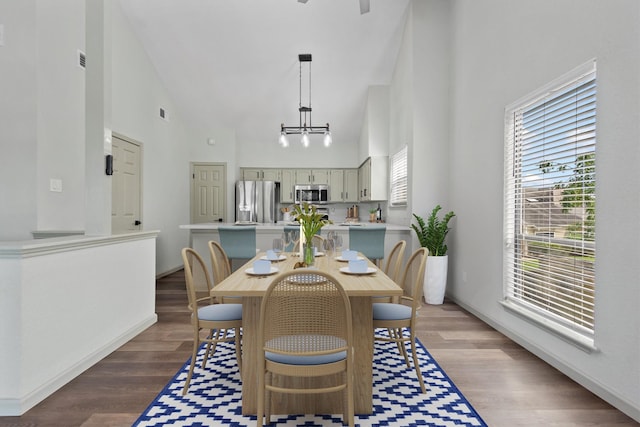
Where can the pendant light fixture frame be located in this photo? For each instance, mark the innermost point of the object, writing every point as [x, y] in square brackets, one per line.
[305, 125]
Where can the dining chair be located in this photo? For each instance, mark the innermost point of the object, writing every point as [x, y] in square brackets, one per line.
[394, 261]
[294, 234]
[305, 330]
[369, 240]
[221, 266]
[399, 318]
[239, 242]
[206, 313]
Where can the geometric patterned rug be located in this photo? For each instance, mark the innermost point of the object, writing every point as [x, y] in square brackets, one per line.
[214, 397]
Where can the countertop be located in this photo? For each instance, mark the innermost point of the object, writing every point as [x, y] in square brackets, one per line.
[280, 225]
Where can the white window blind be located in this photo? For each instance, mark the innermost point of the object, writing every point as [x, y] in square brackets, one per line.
[549, 230]
[398, 178]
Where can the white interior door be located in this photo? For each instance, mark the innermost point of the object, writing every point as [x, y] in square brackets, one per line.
[125, 203]
[208, 195]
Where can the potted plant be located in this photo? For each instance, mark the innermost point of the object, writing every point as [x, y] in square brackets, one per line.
[372, 215]
[310, 223]
[431, 235]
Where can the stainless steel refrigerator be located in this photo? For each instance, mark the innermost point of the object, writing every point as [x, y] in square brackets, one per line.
[256, 201]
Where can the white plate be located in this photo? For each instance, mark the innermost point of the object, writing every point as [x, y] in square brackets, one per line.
[245, 223]
[280, 258]
[250, 272]
[319, 254]
[339, 258]
[369, 270]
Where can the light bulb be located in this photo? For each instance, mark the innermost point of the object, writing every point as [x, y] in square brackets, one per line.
[327, 139]
[284, 142]
[305, 138]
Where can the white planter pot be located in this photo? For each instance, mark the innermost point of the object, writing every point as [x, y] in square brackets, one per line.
[435, 279]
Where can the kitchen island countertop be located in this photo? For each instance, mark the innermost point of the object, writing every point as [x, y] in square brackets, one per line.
[209, 226]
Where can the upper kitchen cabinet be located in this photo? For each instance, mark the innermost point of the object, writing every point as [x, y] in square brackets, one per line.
[287, 180]
[316, 176]
[373, 177]
[343, 185]
[260, 174]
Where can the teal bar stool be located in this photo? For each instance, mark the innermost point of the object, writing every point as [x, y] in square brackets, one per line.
[239, 242]
[369, 240]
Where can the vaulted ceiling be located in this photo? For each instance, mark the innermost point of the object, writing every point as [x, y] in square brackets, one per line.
[234, 63]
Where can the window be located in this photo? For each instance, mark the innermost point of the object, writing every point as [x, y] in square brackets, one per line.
[398, 177]
[549, 229]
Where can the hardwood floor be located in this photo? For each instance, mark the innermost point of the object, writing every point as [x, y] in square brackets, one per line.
[506, 384]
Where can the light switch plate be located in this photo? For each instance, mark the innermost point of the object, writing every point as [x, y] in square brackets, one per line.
[55, 185]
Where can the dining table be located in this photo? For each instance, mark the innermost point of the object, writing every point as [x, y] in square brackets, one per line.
[361, 288]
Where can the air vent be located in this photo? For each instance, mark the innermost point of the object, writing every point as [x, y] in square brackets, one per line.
[163, 113]
[82, 59]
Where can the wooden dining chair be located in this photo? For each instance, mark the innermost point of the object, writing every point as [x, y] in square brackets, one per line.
[396, 318]
[207, 314]
[394, 261]
[305, 331]
[220, 264]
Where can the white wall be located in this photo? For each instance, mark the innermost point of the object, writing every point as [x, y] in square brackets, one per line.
[138, 94]
[501, 52]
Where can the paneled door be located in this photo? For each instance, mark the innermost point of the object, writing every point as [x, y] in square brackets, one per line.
[208, 195]
[125, 188]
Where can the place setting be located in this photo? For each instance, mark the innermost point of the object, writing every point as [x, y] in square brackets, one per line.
[357, 265]
[261, 267]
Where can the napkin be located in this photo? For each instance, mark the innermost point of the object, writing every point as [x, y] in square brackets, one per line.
[358, 266]
[349, 255]
[261, 266]
[272, 255]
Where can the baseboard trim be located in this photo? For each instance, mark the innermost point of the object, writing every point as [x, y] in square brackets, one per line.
[17, 407]
[595, 387]
[168, 272]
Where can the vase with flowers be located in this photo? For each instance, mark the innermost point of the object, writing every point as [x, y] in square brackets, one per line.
[311, 221]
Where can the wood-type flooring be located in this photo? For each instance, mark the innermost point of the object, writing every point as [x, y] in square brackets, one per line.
[506, 384]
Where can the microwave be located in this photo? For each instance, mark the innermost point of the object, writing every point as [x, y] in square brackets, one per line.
[317, 194]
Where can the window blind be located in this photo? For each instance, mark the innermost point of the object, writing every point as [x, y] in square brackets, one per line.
[550, 174]
[398, 178]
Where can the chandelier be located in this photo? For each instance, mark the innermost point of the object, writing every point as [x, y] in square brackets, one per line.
[304, 128]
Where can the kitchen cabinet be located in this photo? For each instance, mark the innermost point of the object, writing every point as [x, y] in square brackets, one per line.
[260, 174]
[287, 179]
[343, 185]
[315, 176]
[373, 179]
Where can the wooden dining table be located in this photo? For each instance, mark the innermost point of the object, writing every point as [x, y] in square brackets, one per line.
[359, 288]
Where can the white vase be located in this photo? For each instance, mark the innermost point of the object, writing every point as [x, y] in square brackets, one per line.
[435, 279]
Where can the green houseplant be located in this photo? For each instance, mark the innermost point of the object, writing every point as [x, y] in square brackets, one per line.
[431, 235]
[311, 221]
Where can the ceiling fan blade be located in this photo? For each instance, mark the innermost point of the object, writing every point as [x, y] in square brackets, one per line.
[364, 6]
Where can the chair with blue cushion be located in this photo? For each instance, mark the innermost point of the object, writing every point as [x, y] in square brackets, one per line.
[394, 319]
[239, 242]
[369, 240]
[305, 331]
[294, 234]
[218, 318]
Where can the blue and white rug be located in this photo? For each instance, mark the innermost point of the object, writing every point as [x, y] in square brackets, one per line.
[214, 397]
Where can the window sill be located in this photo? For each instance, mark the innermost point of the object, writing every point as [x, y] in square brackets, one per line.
[572, 337]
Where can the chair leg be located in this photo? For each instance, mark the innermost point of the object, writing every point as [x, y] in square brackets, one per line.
[239, 349]
[416, 364]
[267, 394]
[194, 353]
[211, 345]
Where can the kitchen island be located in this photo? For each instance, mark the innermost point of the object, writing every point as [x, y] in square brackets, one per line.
[265, 233]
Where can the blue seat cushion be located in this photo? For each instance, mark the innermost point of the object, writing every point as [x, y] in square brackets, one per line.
[220, 312]
[319, 341]
[390, 311]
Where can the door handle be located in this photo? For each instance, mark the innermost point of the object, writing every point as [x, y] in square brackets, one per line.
[137, 222]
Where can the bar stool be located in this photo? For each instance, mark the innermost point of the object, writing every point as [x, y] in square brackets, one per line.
[239, 242]
[369, 240]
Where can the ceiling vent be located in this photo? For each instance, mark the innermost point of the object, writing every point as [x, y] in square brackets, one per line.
[82, 59]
